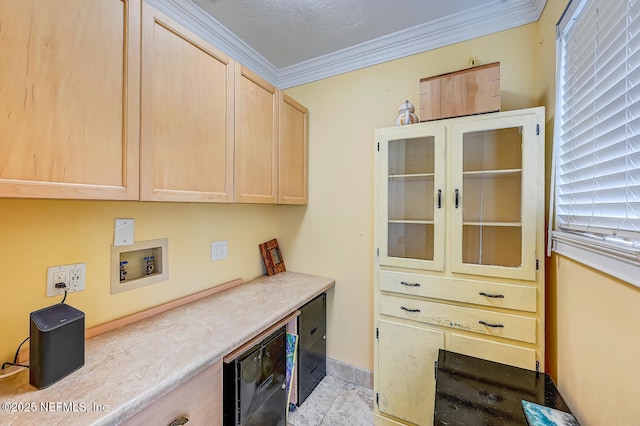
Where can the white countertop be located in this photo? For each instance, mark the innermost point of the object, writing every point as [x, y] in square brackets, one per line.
[128, 368]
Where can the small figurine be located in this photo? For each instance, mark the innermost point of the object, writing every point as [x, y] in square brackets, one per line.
[149, 267]
[406, 114]
[123, 271]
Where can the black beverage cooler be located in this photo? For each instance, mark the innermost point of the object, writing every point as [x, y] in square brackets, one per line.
[254, 385]
[312, 348]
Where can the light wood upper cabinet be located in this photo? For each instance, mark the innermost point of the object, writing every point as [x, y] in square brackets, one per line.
[256, 138]
[271, 143]
[69, 99]
[111, 99]
[187, 115]
[293, 152]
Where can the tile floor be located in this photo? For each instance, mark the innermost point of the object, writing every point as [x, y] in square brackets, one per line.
[335, 402]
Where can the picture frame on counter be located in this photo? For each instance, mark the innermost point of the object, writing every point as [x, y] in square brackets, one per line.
[272, 257]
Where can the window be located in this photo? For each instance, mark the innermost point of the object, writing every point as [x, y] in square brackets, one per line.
[597, 136]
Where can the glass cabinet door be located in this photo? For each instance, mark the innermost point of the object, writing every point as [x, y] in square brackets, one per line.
[494, 191]
[411, 198]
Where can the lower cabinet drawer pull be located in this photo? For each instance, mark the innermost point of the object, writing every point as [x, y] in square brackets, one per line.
[488, 324]
[410, 284]
[409, 310]
[496, 296]
[179, 421]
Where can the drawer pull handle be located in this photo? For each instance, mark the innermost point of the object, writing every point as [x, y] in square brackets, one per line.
[409, 310]
[488, 324]
[439, 198]
[457, 192]
[495, 296]
[179, 421]
[410, 284]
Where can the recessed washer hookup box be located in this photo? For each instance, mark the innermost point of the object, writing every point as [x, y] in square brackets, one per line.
[57, 344]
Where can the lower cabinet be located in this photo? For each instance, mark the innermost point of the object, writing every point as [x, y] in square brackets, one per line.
[504, 353]
[198, 401]
[405, 375]
[406, 352]
[312, 346]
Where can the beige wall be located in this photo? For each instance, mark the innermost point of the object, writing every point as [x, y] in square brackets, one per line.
[593, 337]
[334, 235]
[596, 345]
[35, 234]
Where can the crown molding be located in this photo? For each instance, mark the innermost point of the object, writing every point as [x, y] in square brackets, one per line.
[476, 22]
[464, 26]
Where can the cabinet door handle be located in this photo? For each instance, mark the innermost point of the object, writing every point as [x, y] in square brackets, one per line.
[439, 198]
[495, 296]
[488, 324]
[457, 191]
[179, 421]
[409, 310]
[410, 284]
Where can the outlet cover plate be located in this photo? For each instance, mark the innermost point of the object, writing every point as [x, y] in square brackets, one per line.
[124, 232]
[219, 250]
[73, 276]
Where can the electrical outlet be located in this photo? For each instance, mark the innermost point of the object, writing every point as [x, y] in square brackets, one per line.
[66, 277]
[77, 278]
[59, 278]
[219, 250]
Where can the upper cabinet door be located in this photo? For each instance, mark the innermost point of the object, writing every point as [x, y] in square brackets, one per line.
[293, 152]
[495, 193]
[187, 115]
[256, 139]
[411, 184]
[69, 91]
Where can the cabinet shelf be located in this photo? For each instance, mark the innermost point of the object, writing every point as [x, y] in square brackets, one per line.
[404, 221]
[413, 176]
[492, 173]
[506, 224]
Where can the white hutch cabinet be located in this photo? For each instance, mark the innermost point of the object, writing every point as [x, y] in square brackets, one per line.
[459, 222]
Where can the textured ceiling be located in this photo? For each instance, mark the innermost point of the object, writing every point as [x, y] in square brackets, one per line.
[292, 42]
[287, 32]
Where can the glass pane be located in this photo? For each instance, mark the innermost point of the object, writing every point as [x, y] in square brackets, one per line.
[492, 245]
[498, 149]
[411, 240]
[492, 193]
[492, 198]
[411, 198]
[411, 156]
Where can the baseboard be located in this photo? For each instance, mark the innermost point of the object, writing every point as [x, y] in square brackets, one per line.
[350, 373]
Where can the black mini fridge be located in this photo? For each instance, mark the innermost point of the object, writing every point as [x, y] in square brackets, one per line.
[312, 347]
[254, 385]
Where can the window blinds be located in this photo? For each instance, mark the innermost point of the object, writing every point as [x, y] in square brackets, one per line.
[597, 156]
